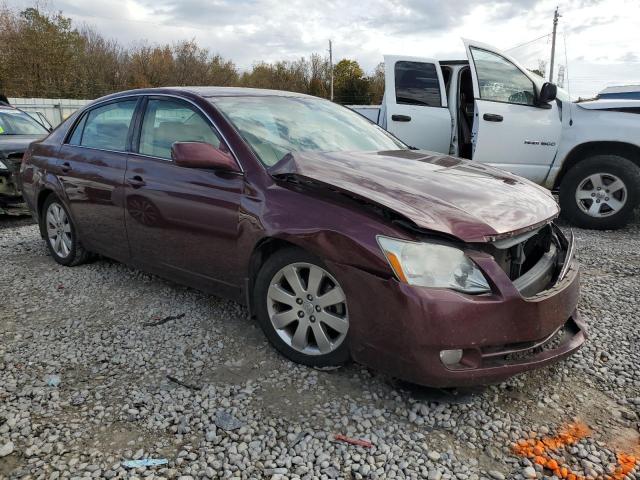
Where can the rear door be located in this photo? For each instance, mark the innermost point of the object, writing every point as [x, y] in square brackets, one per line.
[416, 103]
[511, 130]
[91, 168]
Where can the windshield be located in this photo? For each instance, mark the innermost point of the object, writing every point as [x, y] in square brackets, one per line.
[15, 122]
[275, 126]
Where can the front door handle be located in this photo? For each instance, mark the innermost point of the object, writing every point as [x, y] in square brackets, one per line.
[401, 118]
[66, 167]
[492, 117]
[136, 182]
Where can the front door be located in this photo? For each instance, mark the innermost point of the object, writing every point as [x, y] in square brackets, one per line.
[416, 103]
[91, 168]
[181, 222]
[511, 129]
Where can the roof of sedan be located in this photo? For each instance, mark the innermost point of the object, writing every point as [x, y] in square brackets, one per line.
[234, 91]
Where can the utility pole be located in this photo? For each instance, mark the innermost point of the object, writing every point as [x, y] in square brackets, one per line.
[553, 43]
[331, 67]
[561, 76]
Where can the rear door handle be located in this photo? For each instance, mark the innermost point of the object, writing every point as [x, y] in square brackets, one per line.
[136, 182]
[401, 118]
[66, 167]
[492, 117]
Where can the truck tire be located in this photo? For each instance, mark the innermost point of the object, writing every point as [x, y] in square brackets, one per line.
[600, 192]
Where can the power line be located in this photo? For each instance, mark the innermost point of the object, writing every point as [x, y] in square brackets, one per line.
[530, 41]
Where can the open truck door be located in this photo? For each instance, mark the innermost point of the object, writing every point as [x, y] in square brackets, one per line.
[416, 103]
[517, 124]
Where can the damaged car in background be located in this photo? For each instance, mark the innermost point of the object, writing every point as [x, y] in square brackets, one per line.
[342, 241]
[17, 131]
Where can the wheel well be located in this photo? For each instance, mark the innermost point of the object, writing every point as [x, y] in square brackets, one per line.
[263, 250]
[580, 152]
[42, 197]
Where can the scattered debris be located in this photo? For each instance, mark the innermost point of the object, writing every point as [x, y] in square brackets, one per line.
[52, 380]
[183, 383]
[226, 421]
[353, 441]
[145, 462]
[543, 450]
[159, 321]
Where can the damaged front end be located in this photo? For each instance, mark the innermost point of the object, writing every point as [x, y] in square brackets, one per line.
[11, 201]
[536, 260]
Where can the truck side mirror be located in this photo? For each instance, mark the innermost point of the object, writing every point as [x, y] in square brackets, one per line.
[547, 93]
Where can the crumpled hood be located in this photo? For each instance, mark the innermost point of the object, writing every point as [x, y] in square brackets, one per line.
[471, 201]
[16, 143]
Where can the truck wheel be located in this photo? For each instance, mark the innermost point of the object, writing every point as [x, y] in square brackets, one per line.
[600, 192]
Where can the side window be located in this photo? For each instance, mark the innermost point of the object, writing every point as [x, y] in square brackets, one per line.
[76, 136]
[169, 121]
[417, 84]
[500, 80]
[107, 127]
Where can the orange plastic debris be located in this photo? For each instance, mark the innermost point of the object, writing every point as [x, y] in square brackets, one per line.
[539, 452]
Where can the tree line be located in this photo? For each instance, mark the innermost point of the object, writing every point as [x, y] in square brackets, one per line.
[44, 55]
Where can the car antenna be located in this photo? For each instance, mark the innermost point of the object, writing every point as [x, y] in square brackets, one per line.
[566, 70]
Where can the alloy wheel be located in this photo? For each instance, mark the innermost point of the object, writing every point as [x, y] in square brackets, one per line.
[601, 195]
[59, 230]
[307, 308]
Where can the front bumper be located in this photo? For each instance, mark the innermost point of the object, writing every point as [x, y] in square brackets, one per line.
[11, 201]
[400, 329]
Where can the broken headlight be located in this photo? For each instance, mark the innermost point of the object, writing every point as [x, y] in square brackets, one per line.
[433, 265]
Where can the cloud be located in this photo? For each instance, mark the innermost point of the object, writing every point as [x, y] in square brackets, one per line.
[598, 34]
[593, 22]
[629, 57]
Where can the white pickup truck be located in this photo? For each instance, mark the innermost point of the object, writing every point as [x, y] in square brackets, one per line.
[492, 110]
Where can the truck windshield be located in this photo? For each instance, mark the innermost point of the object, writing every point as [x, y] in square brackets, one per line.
[276, 125]
[15, 122]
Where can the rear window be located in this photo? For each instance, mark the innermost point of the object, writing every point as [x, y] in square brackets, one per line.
[105, 127]
[417, 84]
[16, 122]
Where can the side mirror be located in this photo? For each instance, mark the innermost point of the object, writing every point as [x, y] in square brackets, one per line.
[547, 93]
[202, 155]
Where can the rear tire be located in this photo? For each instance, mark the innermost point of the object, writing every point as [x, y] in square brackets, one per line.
[600, 192]
[60, 234]
[293, 307]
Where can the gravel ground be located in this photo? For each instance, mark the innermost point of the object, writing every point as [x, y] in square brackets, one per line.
[91, 375]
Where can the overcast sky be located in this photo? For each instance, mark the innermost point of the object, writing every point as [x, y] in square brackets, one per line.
[601, 36]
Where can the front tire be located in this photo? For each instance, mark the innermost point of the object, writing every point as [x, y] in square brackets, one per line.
[600, 192]
[60, 234]
[302, 309]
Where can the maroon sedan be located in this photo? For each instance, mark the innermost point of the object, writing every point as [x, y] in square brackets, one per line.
[342, 241]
